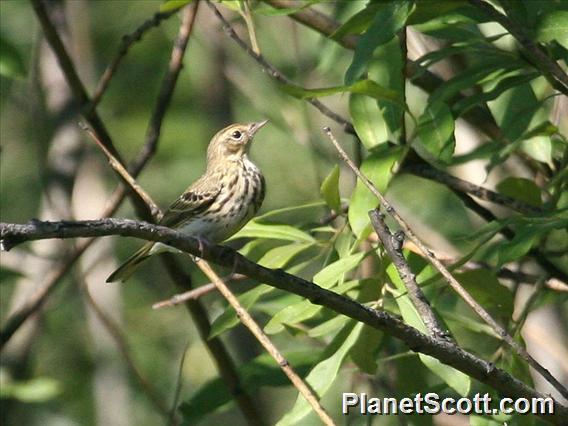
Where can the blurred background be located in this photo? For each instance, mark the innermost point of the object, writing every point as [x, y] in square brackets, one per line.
[98, 354]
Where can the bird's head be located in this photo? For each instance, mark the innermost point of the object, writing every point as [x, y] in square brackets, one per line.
[232, 143]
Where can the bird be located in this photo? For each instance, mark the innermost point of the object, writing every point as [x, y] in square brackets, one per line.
[219, 203]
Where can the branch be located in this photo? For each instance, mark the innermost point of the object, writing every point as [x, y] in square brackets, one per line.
[458, 288]
[539, 59]
[427, 171]
[393, 246]
[79, 92]
[277, 75]
[323, 24]
[126, 43]
[263, 339]
[446, 352]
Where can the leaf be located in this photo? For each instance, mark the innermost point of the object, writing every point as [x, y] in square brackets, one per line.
[362, 87]
[508, 251]
[273, 11]
[436, 131]
[301, 311]
[521, 189]
[172, 5]
[11, 63]
[358, 22]
[277, 257]
[554, 27]
[322, 376]
[387, 22]
[261, 371]
[378, 168]
[486, 289]
[468, 102]
[539, 148]
[364, 351]
[36, 390]
[334, 271]
[253, 229]
[328, 327]
[367, 121]
[330, 189]
[455, 379]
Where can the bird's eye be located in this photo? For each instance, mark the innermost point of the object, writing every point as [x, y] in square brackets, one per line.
[236, 135]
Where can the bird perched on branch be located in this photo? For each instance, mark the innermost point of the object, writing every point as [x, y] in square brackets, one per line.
[217, 204]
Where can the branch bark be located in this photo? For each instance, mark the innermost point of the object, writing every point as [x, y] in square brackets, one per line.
[448, 353]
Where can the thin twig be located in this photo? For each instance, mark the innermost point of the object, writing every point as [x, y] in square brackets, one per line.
[263, 339]
[166, 89]
[123, 173]
[446, 352]
[178, 299]
[247, 16]
[458, 288]
[126, 43]
[539, 59]
[393, 244]
[277, 75]
[120, 341]
[194, 294]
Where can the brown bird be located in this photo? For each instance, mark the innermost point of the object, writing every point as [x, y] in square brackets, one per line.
[217, 204]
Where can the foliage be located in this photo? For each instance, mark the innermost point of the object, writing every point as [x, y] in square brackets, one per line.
[398, 121]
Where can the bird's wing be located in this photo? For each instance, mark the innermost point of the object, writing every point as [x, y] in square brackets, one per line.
[197, 198]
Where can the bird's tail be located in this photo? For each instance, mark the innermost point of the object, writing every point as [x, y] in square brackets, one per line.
[125, 270]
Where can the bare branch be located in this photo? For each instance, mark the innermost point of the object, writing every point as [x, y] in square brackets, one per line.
[126, 43]
[263, 339]
[393, 246]
[446, 352]
[277, 75]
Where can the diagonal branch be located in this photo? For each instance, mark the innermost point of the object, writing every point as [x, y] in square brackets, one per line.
[448, 353]
[458, 288]
[277, 75]
[393, 246]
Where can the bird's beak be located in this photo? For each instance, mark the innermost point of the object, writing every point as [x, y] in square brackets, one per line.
[255, 127]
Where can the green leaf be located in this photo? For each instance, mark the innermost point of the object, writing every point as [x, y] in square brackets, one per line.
[322, 376]
[277, 257]
[436, 131]
[172, 5]
[554, 26]
[387, 22]
[455, 379]
[328, 327]
[539, 148]
[362, 87]
[358, 22]
[253, 229]
[468, 102]
[36, 390]
[330, 189]
[364, 351]
[301, 311]
[366, 116]
[486, 289]
[508, 251]
[378, 168]
[273, 11]
[261, 371]
[11, 63]
[521, 189]
[333, 272]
